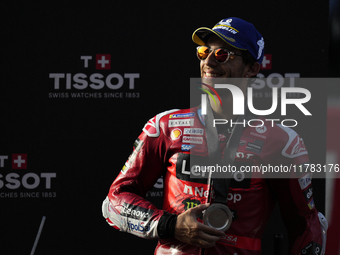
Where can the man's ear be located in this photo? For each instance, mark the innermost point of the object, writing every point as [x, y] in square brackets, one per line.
[253, 70]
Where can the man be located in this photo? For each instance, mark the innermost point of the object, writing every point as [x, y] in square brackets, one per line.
[233, 48]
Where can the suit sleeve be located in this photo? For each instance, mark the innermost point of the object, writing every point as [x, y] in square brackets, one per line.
[125, 207]
[295, 197]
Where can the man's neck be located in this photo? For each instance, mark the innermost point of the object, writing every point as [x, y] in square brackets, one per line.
[224, 111]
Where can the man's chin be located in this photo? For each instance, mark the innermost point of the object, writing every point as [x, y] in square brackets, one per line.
[211, 81]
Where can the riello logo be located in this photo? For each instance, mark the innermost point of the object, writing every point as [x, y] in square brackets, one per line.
[239, 102]
[96, 80]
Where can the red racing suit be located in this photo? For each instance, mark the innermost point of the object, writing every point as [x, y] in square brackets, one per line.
[163, 149]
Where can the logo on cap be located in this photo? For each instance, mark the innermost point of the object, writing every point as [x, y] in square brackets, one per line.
[227, 22]
[225, 25]
[260, 43]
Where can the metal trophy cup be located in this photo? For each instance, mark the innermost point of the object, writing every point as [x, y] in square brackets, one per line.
[218, 216]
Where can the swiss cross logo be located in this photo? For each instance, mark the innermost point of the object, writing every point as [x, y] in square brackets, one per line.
[103, 61]
[19, 161]
[267, 62]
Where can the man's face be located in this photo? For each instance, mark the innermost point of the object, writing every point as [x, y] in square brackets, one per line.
[233, 68]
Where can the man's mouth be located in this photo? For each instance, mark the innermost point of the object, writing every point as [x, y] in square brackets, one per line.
[211, 75]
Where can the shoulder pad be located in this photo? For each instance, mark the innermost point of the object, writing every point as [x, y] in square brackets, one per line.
[295, 146]
[151, 128]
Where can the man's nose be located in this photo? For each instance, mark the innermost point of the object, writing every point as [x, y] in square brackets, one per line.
[211, 60]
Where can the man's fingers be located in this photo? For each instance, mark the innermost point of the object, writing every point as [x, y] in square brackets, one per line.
[210, 230]
[199, 208]
[206, 240]
[191, 231]
[195, 210]
[204, 244]
[209, 237]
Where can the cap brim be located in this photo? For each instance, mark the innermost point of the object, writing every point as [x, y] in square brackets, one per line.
[201, 33]
[197, 35]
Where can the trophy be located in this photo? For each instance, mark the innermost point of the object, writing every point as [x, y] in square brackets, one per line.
[218, 216]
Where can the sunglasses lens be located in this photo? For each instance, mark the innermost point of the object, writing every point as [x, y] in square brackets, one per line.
[221, 55]
[202, 52]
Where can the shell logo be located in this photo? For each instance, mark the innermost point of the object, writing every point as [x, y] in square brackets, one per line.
[176, 133]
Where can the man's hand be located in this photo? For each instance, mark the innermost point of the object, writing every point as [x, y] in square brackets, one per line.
[190, 231]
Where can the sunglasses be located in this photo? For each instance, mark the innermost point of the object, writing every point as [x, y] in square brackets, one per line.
[222, 55]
